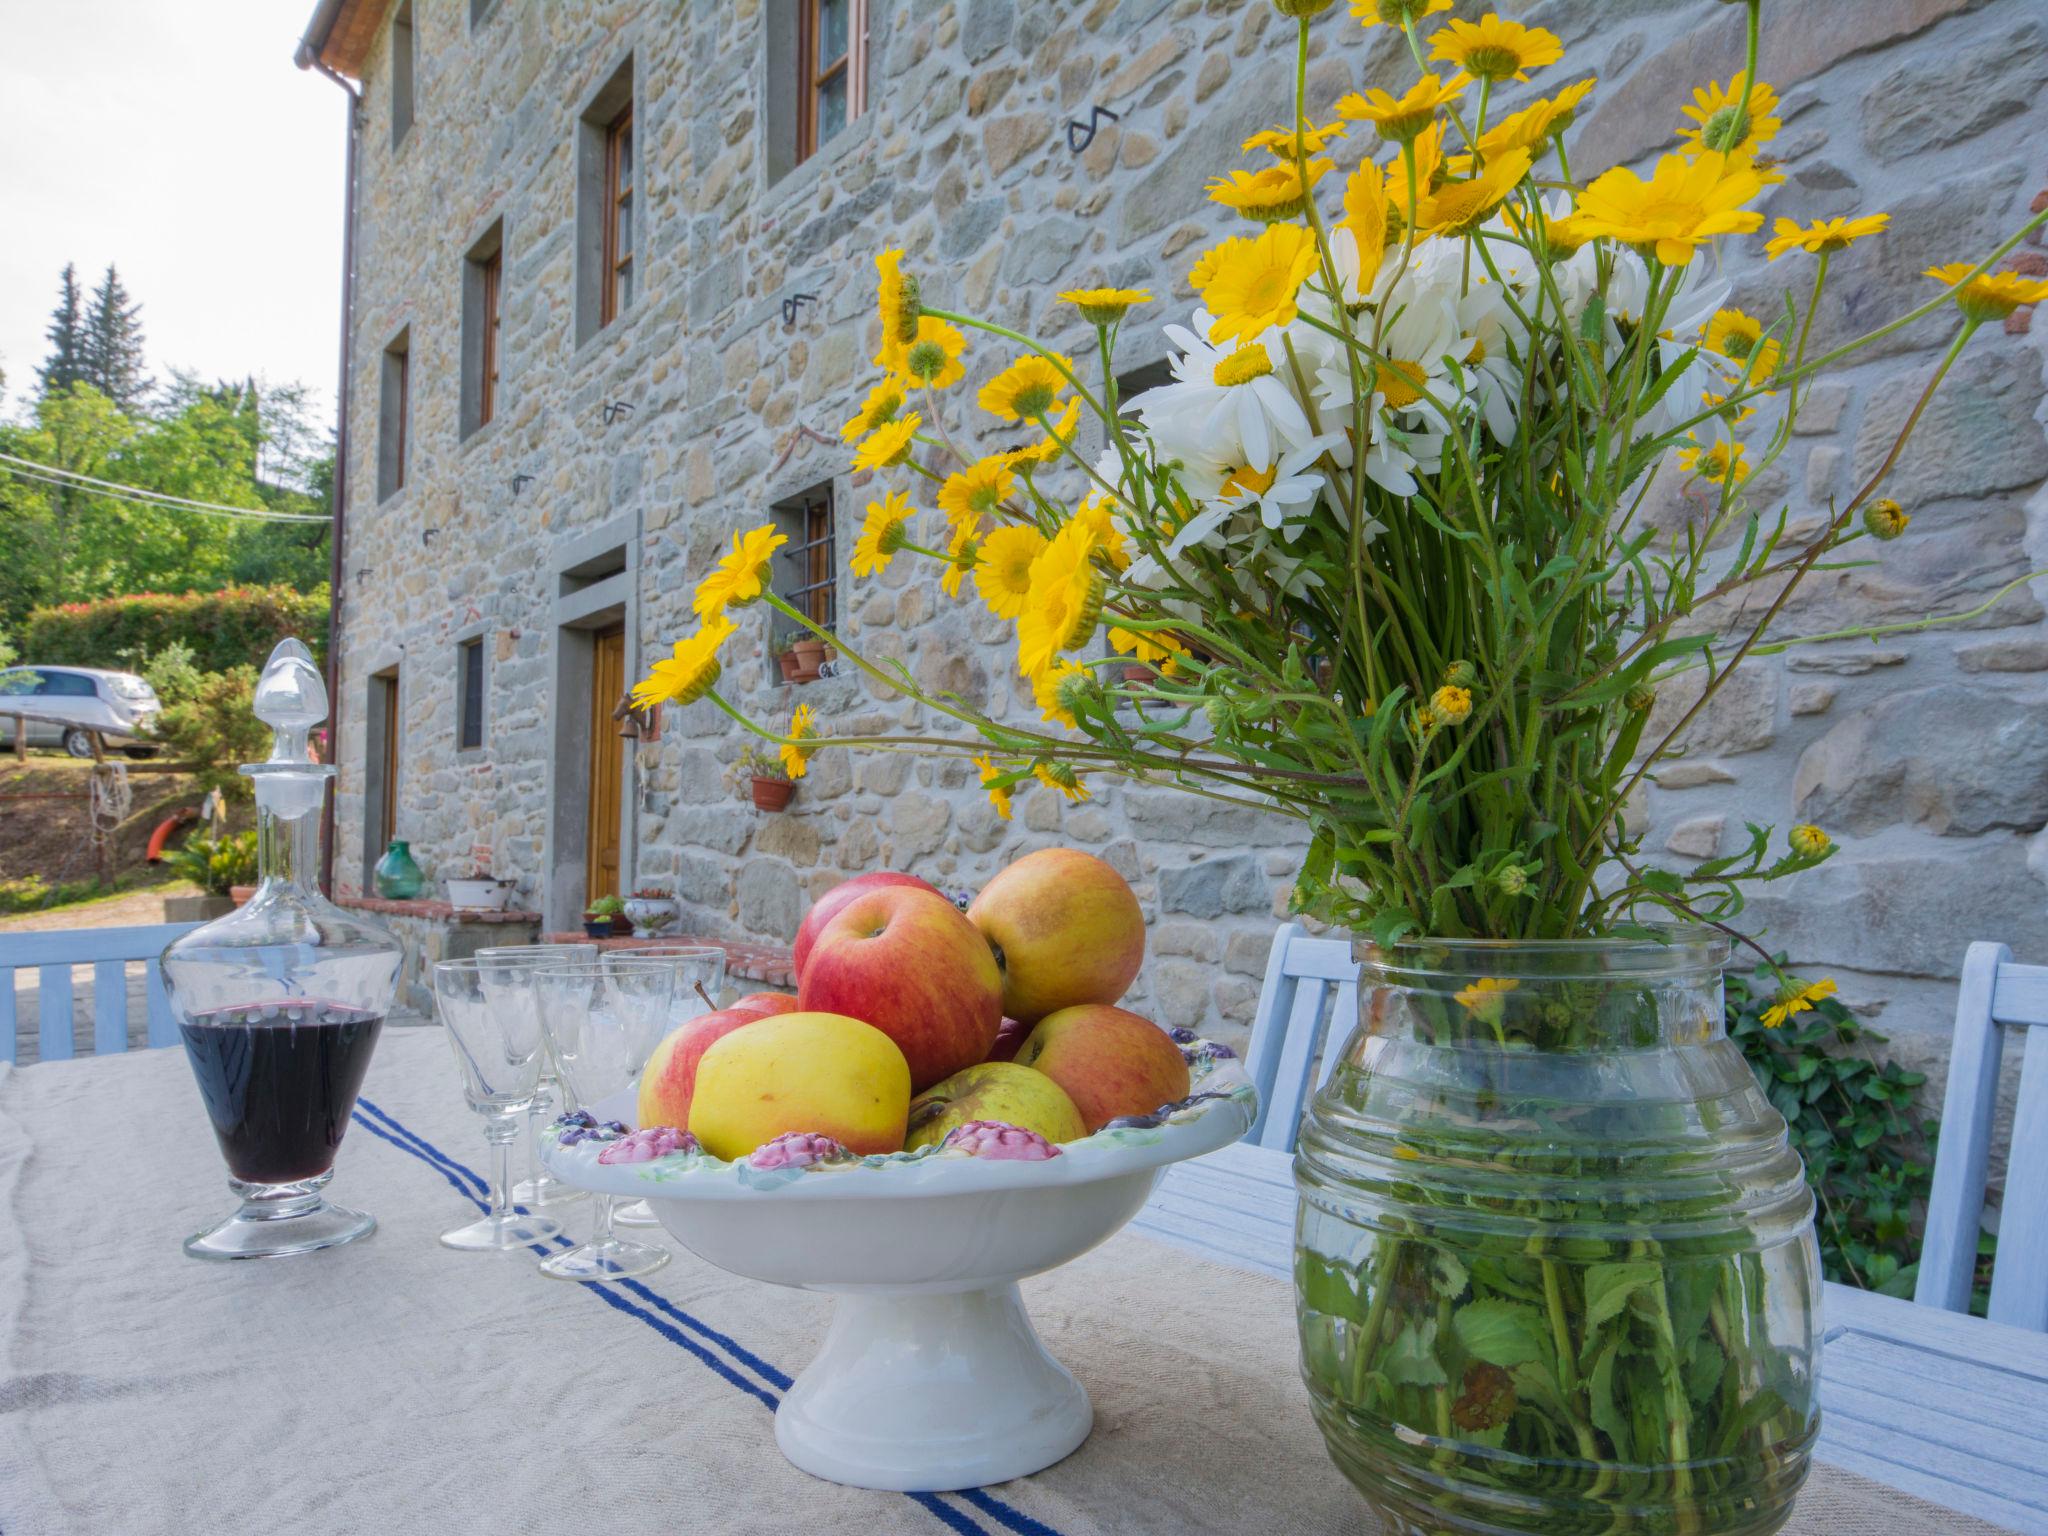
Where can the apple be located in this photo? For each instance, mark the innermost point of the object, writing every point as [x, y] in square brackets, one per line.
[907, 962]
[1110, 1062]
[807, 1071]
[764, 1003]
[995, 1090]
[1065, 928]
[827, 906]
[1009, 1035]
[670, 1077]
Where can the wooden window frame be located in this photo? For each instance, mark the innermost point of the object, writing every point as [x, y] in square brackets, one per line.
[814, 558]
[617, 191]
[811, 80]
[487, 366]
[387, 812]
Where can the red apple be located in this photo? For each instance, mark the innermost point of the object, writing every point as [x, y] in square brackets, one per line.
[906, 961]
[764, 1004]
[1008, 1037]
[1111, 1062]
[827, 906]
[670, 1079]
[1066, 930]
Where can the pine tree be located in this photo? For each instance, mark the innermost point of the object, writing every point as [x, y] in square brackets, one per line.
[113, 358]
[65, 365]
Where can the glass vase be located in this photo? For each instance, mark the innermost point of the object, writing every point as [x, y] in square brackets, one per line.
[397, 877]
[1555, 1267]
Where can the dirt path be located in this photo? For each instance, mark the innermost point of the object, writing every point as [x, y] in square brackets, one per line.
[128, 909]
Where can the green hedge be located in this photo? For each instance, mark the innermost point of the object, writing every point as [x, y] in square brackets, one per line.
[234, 627]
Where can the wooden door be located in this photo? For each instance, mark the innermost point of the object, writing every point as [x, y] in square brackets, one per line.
[387, 811]
[607, 764]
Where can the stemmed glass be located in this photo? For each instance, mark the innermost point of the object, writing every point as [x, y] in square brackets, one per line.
[539, 1187]
[499, 1050]
[604, 1022]
[699, 983]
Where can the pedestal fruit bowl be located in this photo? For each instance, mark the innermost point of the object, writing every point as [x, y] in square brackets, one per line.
[931, 1376]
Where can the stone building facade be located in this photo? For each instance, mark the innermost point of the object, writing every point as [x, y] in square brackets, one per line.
[622, 456]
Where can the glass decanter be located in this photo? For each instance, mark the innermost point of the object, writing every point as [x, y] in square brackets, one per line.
[280, 1002]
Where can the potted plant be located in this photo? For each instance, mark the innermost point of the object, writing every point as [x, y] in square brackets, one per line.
[234, 865]
[807, 655]
[768, 782]
[479, 892]
[650, 910]
[193, 860]
[785, 656]
[605, 918]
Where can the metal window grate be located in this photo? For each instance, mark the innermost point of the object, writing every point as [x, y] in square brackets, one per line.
[812, 559]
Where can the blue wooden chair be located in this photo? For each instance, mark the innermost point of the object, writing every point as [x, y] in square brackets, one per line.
[108, 951]
[1995, 994]
[1307, 1005]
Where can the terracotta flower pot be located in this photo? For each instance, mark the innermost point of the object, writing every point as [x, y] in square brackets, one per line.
[1138, 672]
[809, 655]
[241, 893]
[772, 794]
[787, 661]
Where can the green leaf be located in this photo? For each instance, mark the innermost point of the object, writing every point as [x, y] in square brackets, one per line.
[1411, 1357]
[1502, 1333]
[1607, 1417]
[1609, 1287]
[1703, 1374]
[1447, 1275]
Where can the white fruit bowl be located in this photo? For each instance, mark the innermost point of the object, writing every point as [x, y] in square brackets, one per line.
[930, 1377]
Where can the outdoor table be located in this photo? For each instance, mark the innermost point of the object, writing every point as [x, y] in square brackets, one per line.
[396, 1385]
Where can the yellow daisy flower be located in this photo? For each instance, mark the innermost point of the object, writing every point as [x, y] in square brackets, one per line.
[1365, 211]
[1395, 13]
[1740, 337]
[1399, 119]
[960, 559]
[1253, 284]
[1535, 125]
[1280, 141]
[1063, 600]
[1715, 130]
[1459, 207]
[1060, 777]
[879, 409]
[1493, 49]
[1045, 692]
[796, 758]
[1684, 204]
[1989, 295]
[888, 443]
[1798, 1001]
[1451, 705]
[1104, 306]
[1272, 192]
[1719, 461]
[933, 360]
[1002, 575]
[1024, 391]
[896, 299]
[737, 579]
[1153, 647]
[881, 533]
[992, 781]
[1822, 236]
[1060, 432]
[689, 673]
[975, 492]
[1098, 516]
[1487, 998]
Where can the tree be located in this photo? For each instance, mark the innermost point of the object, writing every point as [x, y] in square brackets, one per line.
[113, 353]
[66, 363]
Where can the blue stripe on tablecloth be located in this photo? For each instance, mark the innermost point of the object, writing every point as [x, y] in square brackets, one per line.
[456, 1173]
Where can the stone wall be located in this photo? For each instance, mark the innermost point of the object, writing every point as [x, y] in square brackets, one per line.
[1922, 753]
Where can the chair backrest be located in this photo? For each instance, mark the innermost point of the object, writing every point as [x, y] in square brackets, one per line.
[1307, 1005]
[107, 950]
[1994, 993]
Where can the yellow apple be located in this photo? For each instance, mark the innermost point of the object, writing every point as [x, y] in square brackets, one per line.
[995, 1090]
[1066, 929]
[1110, 1062]
[819, 1072]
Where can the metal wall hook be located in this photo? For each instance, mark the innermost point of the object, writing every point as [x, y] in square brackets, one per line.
[520, 483]
[792, 304]
[1081, 135]
[614, 409]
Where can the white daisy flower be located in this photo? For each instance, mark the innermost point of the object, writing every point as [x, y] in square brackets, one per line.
[1233, 405]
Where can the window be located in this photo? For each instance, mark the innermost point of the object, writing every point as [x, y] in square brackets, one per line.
[483, 275]
[394, 412]
[401, 74]
[480, 11]
[1129, 385]
[469, 710]
[67, 685]
[607, 177]
[806, 569]
[380, 770]
[832, 70]
[618, 217]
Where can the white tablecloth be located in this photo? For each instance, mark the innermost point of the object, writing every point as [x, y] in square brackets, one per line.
[396, 1386]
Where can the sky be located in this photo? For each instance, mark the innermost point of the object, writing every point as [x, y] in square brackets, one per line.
[176, 139]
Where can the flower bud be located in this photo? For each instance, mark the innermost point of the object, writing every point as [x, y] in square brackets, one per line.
[1885, 520]
[1510, 880]
[1639, 699]
[1460, 674]
[1302, 8]
[1450, 705]
[1809, 842]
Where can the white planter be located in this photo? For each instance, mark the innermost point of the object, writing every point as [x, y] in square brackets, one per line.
[931, 1376]
[649, 915]
[479, 895]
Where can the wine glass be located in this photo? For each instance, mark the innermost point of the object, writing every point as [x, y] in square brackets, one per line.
[699, 983]
[539, 1187]
[499, 1050]
[603, 1022]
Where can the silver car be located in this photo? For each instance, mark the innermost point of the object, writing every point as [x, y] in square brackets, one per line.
[65, 705]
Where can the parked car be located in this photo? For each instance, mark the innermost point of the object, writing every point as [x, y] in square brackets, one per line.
[67, 704]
